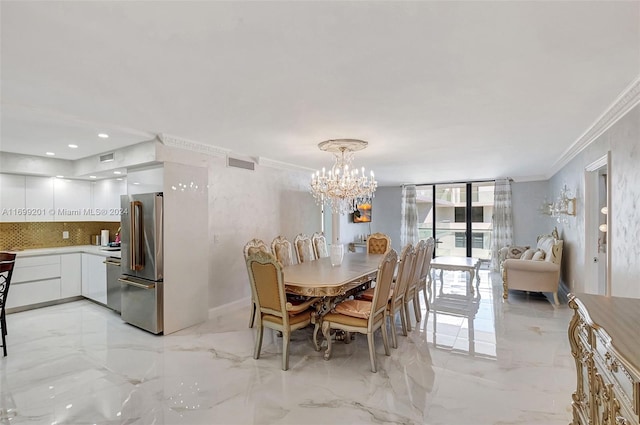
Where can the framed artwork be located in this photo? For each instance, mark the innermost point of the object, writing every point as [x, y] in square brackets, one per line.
[362, 214]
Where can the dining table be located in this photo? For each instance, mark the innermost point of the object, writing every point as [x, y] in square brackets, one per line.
[330, 284]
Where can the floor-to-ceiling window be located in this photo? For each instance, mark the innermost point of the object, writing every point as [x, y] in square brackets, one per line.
[458, 216]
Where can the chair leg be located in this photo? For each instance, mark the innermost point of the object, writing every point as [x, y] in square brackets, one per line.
[394, 336]
[385, 337]
[555, 298]
[426, 297]
[285, 350]
[416, 305]
[372, 352]
[253, 314]
[407, 315]
[403, 320]
[256, 351]
[3, 324]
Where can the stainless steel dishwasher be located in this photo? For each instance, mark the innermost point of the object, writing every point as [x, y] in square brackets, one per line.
[114, 290]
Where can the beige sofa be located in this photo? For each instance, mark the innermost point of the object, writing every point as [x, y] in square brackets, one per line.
[537, 270]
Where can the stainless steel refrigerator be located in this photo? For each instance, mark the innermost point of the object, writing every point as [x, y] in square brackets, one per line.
[141, 265]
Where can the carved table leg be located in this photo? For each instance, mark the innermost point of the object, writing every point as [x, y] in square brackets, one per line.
[317, 320]
[326, 331]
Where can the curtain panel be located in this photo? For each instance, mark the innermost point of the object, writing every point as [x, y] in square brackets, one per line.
[409, 222]
[502, 221]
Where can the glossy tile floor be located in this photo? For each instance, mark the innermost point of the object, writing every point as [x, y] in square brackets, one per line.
[472, 360]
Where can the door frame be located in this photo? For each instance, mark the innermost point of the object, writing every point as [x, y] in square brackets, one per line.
[591, 222]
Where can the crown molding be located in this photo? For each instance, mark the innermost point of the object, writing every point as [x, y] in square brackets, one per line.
[626, 101]
[190, 145]
[266, 162]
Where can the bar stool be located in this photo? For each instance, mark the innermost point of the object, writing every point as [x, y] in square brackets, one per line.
[7, 261]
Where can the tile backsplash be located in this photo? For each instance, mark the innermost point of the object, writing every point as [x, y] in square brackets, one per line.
[17, 236]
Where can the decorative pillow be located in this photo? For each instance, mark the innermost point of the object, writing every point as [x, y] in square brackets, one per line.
[355, 308]
[528, 254]
[539, 255]
[516, 251]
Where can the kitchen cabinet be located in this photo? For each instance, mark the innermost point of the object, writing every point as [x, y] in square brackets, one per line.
[35, 280]
[72, 200]
[33, 199]
[39, 198]
[106, 199]
[71, 275]
[94, 278]
[12, 192]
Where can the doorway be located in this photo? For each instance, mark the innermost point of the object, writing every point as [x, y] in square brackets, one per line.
[597, 226]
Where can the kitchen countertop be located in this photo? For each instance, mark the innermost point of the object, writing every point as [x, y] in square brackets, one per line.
[88, 249]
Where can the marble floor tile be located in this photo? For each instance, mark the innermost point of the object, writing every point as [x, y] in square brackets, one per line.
[472, 359]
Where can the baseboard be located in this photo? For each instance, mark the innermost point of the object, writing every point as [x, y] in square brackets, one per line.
[229, 307]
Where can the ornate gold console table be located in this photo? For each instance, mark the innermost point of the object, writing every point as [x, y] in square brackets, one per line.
[605, 341]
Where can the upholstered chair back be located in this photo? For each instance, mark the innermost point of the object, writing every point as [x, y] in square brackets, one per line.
[378, 243]
[426, 264]
[320, 245]
[281, 248]
[405, 267]
[384, 280]
[253, 246]
[421, 252]
[304, 248]
[265, 274]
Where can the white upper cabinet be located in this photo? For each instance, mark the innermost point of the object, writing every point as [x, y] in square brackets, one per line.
[39, 197]
[72, 200]
[32, 198]
[12, 206]
[106, 199]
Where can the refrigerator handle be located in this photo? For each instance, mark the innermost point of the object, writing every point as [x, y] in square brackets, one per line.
[137, 237]
[136, 284]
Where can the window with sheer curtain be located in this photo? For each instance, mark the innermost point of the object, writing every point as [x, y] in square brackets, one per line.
[502, 220]
[409, 223]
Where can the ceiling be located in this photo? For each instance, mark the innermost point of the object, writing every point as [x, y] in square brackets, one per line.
[442, 91]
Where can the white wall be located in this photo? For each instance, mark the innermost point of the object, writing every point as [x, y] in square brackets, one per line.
[528, 222]
[244, 205]
[622, 139]
[385, 218]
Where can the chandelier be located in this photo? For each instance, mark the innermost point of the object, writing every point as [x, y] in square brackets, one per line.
[342, 188]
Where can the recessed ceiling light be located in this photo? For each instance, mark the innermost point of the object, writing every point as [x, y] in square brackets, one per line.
[103, 135]
[119, 179]
[136, 182]
[60, 177]
[73, 146]
[92, 177]
[50, 153]
[117, 172]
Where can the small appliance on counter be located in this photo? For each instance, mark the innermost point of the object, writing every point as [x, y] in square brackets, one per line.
[141, 244]
[104, 237]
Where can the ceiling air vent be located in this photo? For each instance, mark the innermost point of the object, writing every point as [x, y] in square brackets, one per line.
[107, 157]
[238, 163]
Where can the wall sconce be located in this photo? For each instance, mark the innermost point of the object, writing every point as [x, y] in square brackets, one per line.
[563, 207]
